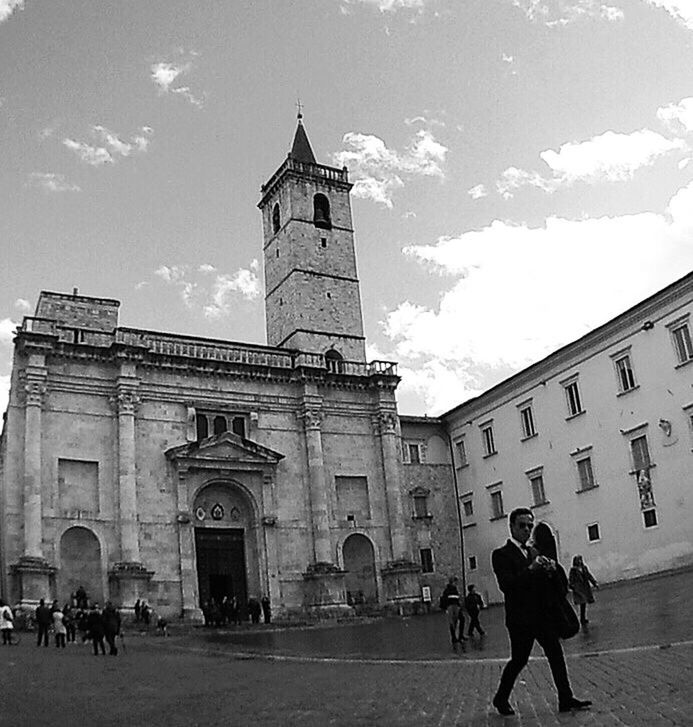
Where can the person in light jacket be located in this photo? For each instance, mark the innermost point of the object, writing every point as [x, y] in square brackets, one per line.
[581, 582]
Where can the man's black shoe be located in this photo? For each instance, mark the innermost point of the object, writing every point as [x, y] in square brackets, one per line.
[503, 708]
[573, 703]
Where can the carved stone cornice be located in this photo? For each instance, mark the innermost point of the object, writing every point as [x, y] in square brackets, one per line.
[35, 391]
[126, 401]
[312, 418]
[385, 422]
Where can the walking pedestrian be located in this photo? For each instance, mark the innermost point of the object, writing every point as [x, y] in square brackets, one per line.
[111, 627]
[266, 608]
[146, 613]
[254, 609]
[59, 628]
[473, 604]
[524, 577]
[95, 629]
[450, 603]
[138, 610]
[581, 582]
[6, 622]
[44, 620]
[69, 621]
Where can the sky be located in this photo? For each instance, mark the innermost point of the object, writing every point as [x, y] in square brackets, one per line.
[522, 168]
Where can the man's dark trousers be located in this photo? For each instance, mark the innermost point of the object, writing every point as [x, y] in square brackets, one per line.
[42, 634]
[521, 642]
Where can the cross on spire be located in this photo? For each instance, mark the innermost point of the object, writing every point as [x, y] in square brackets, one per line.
[299, 106]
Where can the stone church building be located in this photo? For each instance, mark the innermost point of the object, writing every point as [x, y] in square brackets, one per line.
[143, 464]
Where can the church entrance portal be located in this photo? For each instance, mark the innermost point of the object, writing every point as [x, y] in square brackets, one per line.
[80, 564]
[221, 566]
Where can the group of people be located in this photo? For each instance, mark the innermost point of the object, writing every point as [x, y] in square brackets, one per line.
[535, 587]
[451, 603]
[229, 611]
[86, 618]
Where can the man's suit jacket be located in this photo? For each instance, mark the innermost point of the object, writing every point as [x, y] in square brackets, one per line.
[519, 586]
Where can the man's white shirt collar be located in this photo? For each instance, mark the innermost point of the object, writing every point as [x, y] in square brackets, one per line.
[523, 548]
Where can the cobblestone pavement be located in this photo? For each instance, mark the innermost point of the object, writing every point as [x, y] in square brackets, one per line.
[187, 680]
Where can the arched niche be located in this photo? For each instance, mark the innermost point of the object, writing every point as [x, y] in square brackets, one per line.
[80, 564]
[359, 562]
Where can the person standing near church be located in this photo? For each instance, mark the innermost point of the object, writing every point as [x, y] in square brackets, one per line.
[111, 627]
[6, 622]
[523, 576]
[266, 608]
[59, 628]
[44, 620]
[581, 582]
[95, 629]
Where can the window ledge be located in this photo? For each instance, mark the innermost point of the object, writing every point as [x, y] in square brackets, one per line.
[462, 466]
[588, 489]
[468, 525]
[530, 436]
[635, 473]
[498, 517]
[422, 517]
[628, 391]
[490, 454]
[683, 363]
[576, 415]
[541, 504]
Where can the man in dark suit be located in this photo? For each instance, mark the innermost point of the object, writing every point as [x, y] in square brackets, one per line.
[522, 576]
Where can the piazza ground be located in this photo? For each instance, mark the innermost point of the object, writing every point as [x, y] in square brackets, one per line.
[635, 661]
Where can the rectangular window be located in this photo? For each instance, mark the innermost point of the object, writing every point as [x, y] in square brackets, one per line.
[420, 506]
[538, 493]
[624, 371]
[461, 453]
[585, 473]
[683, 346]
[78, 487]
[472, 562]
[593, 534]
[468, 508]
[641, 453]
[496, 505]
[487, 439]
[413, 452]
[649, 518]
[572, 395]
[527, 421]
[352, 497]
[426, 560]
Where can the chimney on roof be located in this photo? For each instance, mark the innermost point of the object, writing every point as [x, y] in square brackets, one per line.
[75, 291]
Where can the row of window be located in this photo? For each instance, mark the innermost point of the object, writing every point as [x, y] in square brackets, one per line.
[626, 381]
[640, 458]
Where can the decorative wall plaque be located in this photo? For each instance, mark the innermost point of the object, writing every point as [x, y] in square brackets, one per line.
[200, 513]
[217, 511]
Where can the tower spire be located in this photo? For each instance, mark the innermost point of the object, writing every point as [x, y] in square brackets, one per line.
[301, 149]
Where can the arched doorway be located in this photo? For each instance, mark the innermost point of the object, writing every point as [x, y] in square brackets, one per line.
[226, 548]
[80, 564]
[359, 562]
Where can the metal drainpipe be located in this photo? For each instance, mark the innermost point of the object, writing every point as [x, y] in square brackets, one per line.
[459, 514]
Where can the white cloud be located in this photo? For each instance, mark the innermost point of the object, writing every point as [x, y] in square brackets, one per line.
[562, 12]
[378, 171]
[7, 329]
[51, 182]
[7, 7]
[678, 117]
[681, 10]
[113, 146]
[478, 191]
[206, 289]
[391, 5]
[23, 305]
[165, 74]
[608, 157]
[522, 292]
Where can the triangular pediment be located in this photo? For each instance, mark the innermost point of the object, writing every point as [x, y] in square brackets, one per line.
[224, 448]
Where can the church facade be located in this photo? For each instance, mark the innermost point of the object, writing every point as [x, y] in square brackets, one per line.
[176, 469]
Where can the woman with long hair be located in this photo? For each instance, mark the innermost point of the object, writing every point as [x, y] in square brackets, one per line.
[581, 582]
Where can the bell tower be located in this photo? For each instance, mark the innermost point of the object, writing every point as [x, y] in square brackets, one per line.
[312, 295]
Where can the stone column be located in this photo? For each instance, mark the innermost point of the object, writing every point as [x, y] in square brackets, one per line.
[322, 548]
[129, 578]
[386, 426]
[35, 389]
[32, 570]
[400, 576]
[126, 403]
[186, 551]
